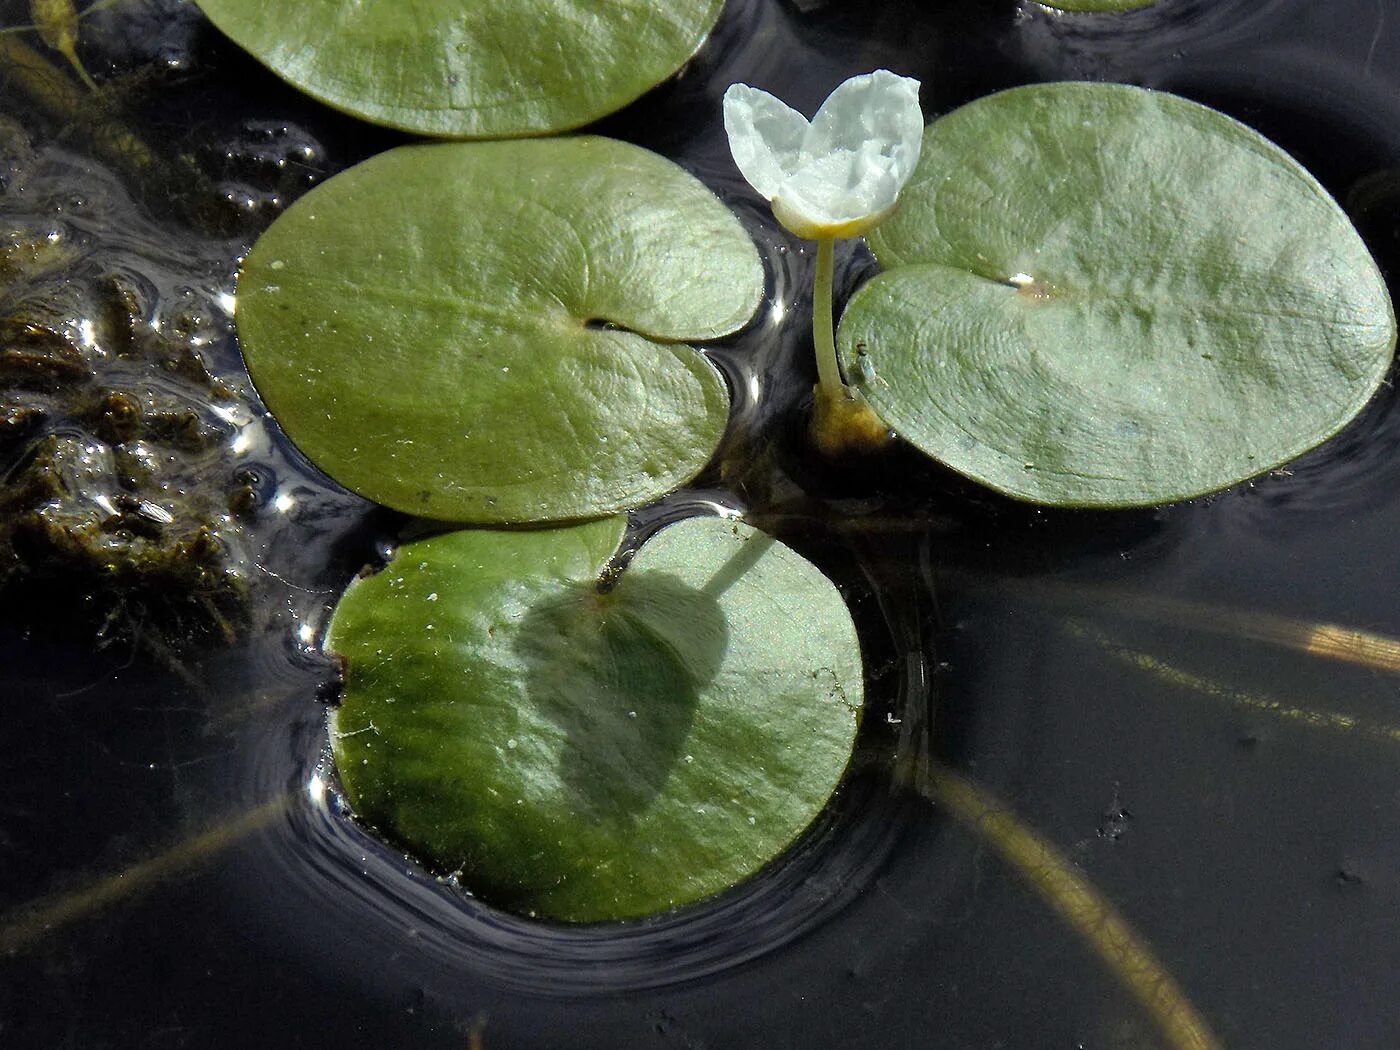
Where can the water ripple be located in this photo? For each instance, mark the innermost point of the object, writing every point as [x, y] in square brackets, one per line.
[377, 893]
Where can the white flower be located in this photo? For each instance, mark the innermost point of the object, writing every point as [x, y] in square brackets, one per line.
[841, 174]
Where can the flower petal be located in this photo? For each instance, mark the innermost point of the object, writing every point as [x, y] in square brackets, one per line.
[838, 188]
[878, 110]
[765, 136]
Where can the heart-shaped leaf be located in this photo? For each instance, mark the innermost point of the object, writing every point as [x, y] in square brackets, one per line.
[585, 755]
[470, 70]
[1098, 295]
[481, 331]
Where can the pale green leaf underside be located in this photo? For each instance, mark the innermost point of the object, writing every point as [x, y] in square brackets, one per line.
[427, 326]
[1098, 295]
[586, 757]
[484, 69]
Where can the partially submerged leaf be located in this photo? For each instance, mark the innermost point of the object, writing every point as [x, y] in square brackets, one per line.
[585, 756]
[1098, 295]
[482, 331]
[487, 69]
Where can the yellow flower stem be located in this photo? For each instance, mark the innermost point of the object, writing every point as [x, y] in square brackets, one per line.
[823, 335]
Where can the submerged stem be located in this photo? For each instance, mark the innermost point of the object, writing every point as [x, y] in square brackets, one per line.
[54, 94]
[823, 335]
[70, 52]
[841, 421]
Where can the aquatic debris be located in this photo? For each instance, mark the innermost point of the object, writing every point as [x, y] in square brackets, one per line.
[109, 510]
[56, 22]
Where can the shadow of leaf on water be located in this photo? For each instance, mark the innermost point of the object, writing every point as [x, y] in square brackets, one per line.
[621, 674]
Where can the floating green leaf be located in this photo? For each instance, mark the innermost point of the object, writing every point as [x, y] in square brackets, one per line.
[475, 70]
[480, 331]
[1098, 295]
[581, 755]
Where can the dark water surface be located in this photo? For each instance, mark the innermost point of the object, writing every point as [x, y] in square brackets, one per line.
[1150, 691]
